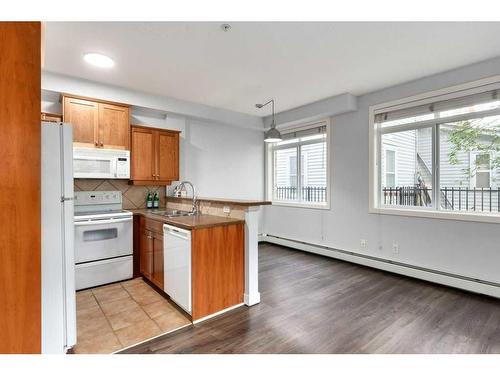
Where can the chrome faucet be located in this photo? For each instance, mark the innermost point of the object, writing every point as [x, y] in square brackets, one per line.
[194, 208]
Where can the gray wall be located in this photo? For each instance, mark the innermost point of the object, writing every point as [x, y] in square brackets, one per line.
[222, 161]
[466, 248]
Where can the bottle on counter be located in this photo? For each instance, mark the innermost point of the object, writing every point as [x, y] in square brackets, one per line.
[156, 200]
[149, 201]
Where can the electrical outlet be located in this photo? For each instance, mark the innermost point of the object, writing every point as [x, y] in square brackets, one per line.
[226, 209]
[363, 244]
[395, 248]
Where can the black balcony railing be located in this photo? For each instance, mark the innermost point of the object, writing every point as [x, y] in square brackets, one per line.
[314, 194]
[452, 198]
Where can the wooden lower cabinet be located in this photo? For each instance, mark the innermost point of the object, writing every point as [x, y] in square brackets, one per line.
[217, 264]
[151, 251]
[217, 268]
[146, 253]
[157, 276]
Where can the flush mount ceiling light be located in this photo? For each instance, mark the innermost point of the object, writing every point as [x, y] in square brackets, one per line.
[272, 135]
[99, 60]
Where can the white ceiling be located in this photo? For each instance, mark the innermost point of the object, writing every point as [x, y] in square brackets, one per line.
[296, 63]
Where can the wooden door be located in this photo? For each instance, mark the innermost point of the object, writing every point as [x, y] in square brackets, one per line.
[167, 156]
[20, 270]
[142, 154]
[83, 115]
[146, 253]
[158, 260]
[114, 126]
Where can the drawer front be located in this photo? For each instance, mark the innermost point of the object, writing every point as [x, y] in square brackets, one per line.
[153, 225]
[103, 272]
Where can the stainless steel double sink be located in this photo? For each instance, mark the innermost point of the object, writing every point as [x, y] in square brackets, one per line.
[173, 213]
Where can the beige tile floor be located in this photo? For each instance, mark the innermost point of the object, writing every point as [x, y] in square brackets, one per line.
[118, 315]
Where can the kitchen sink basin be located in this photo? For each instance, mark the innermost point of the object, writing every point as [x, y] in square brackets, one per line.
[173, 213]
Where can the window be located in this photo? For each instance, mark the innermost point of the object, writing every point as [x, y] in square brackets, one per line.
[480, 170]
[438, 154]
[298, 167]
[390, 168]
[413, 168]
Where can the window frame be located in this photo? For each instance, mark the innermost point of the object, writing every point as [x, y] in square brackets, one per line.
[269, 167]
[435, 172]
[479, 86]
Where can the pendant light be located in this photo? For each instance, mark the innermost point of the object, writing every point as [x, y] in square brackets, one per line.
[272, 135]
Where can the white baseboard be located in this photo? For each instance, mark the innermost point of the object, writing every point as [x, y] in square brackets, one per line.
[251, 299]
[435, 276]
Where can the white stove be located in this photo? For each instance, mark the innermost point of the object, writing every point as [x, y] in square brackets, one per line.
[103, 239]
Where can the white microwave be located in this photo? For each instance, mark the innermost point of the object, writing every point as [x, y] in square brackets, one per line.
[100, 163]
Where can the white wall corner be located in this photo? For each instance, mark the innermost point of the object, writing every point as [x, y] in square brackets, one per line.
[332, 106]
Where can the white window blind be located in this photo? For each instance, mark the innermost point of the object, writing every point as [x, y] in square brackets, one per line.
[470, 104]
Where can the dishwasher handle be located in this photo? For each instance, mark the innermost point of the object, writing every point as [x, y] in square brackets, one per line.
[176, 232]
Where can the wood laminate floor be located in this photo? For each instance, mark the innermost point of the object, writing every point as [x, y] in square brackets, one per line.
[314, 304]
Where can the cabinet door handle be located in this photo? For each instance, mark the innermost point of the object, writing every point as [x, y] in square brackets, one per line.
[96, 143]
[101, 144]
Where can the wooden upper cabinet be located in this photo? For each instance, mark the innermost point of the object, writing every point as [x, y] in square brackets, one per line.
[83, 115]
[114, 126]
[154, 156]
[97, 124]
[168, 156]
[51, 117]
[143, 158]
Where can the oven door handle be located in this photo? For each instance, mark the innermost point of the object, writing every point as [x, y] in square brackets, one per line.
[99, 222]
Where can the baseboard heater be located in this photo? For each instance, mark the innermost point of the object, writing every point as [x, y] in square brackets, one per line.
[445, 278]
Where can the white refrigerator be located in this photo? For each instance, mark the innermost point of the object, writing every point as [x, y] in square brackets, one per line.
[58, 266]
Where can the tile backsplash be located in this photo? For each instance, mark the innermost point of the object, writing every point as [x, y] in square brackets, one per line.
[133, 196]
[209, 208]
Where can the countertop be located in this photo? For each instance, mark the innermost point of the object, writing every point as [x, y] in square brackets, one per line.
[236, 202]
[189, 222]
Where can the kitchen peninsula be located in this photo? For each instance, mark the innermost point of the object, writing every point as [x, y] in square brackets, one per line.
[244, 209]
[223, 242]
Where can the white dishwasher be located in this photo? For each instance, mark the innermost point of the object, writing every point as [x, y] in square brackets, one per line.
[177, 265]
